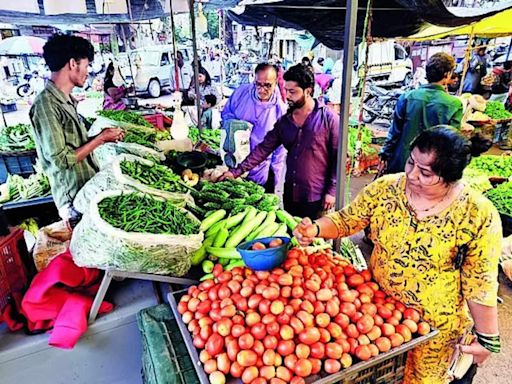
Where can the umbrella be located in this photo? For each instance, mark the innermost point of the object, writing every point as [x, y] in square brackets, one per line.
[22, 45]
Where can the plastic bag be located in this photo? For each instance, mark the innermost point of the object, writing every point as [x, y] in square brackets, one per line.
[235, 141]
[52, 240]
[97, 244]
[106, 153]
[134, 184]
[104, 180]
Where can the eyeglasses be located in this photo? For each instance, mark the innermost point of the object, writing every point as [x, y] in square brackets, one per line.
[263, 85]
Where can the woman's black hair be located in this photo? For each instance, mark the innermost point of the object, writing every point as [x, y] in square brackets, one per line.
[108, 82]
[204, 72]
[452, 151]
[302, 74]
[59, 49]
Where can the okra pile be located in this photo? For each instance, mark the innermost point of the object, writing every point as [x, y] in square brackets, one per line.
[501, 197]
[234, 196]
[145, 214]
[156, 176]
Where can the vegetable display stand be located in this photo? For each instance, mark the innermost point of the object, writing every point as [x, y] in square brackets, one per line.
[13, 273]
[17, 163]
[165, 357]
[112, 273]
[156, 120]
[386, 368]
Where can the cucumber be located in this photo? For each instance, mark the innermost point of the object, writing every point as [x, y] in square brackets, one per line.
[245, 229]
[224, 262]
[268, 231]
[233, 221]
[286, 218]
[199, 255]
[212, 219]
[215, 228]
[207, 266]
[281, 231]
[224, 253]
[208, 276]
[269, 220]
[234, 264]
[250, 213]
[221, 237]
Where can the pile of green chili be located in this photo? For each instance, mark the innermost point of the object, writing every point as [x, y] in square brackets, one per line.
[155, 176]
[145, 214]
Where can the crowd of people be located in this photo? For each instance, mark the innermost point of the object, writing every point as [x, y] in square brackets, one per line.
[435, 240]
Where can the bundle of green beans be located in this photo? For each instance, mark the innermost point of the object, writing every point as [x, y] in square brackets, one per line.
[145, 214]
[156, 176]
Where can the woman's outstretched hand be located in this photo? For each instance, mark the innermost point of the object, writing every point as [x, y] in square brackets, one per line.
[305, 232]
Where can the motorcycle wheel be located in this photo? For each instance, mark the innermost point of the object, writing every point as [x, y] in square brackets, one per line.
[24, 90]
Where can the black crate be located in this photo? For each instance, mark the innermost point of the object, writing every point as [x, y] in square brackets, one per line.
[17, 163]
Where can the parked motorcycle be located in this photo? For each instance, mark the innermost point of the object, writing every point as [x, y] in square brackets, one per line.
[379, 103]
[32, 82]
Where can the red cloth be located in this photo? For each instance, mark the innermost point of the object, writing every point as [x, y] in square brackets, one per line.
[60, 297]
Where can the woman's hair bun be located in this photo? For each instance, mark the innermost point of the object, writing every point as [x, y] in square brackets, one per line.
[479, 145]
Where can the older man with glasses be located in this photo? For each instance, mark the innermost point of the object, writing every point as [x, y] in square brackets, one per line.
[261, 105]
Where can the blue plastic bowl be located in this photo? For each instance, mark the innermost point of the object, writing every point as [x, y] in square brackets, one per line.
[265, 259]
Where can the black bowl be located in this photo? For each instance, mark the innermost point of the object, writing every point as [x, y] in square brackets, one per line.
[195, 161]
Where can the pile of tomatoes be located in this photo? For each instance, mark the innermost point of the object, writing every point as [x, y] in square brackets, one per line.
[314, 313]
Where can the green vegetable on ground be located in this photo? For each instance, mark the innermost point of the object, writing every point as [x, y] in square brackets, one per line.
[497, 166]
[145, 214]
[125, 117]
[496, 111]
[501, 197]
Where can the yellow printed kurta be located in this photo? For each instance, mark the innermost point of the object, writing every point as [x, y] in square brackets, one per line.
[415, 262]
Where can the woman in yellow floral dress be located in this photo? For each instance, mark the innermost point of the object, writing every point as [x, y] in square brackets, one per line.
[437, 244]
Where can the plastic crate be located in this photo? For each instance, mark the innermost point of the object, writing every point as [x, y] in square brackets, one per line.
[17, 163]
[13, 275]
[386, 368]
[165, 358]
[157, 120]
[6, 108]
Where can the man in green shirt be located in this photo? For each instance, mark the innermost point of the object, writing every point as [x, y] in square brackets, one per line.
[420, 109]
[63, 147]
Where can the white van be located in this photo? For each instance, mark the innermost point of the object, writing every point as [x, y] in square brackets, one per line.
[151, 67]
[388, 63]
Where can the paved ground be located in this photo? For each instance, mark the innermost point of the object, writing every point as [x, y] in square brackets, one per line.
[496, 370]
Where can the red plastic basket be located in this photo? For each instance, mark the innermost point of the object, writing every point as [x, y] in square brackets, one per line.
[13, 276]
[157, 120]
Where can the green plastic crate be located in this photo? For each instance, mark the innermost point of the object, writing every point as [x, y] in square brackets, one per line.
[165, 358]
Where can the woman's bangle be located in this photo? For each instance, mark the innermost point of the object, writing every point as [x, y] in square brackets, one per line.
[489, 342]
[317, 229]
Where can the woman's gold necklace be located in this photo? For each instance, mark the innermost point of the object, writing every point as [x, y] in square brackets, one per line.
[431, 207]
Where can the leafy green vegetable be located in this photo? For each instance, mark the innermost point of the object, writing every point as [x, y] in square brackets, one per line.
[210, 137]
[366, 141]
[497, 166]
[125, 117]
[501, 197]
[145, 214]
[17, 138]
[476, 179]
[496, 111]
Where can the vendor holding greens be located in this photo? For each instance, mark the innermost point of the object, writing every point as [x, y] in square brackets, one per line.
[62, 145]
[437, 244]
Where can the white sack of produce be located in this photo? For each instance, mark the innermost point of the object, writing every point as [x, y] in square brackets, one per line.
[104, 180]
[167, 184]
[107, 152]
[143, 246]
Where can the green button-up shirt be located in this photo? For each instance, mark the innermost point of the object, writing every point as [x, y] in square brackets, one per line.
[416, 111]
[59, 132]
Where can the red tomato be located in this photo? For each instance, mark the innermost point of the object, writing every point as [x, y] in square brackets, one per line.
[303, 368]
[264, 307]
[423, 328]
[284, 374]
[333, 351]
[374, 350]
[388, 329]
[383, 343]
[355, 280]
[365, 323]
[409, 313]
[246, 291]
[335, 330]
[342, 320]
[290, 361]
[285, 347]
[237, 330]
[317, 350]
[316, 365]
[210, 366]
[259, 331]
[247, 358]
[277, 307]
[413, 327]
[232, 350]
[348, 309]
[374, 333]
[270, 342]
[302, 351]
[258, 347]
[252, 318]
[297, 380]
[267, 373]
[271, 293]
[352, 331]
[346, 360]
[332, 366]
[307, 319]
[223, 363]
[268, 319]
[254, 301]
[332, 308]
[204, 356]
[198, 342]
[246, 341]
[404, 331]
[363, 352]
[322, 320]
[297, 292]
[286, 332]
[285, 280]
[269, 357]
[224, 327]
[309, 336]
[250, 374]
[273, 328]
[215, 344]
[236, 370]
[396, 340]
